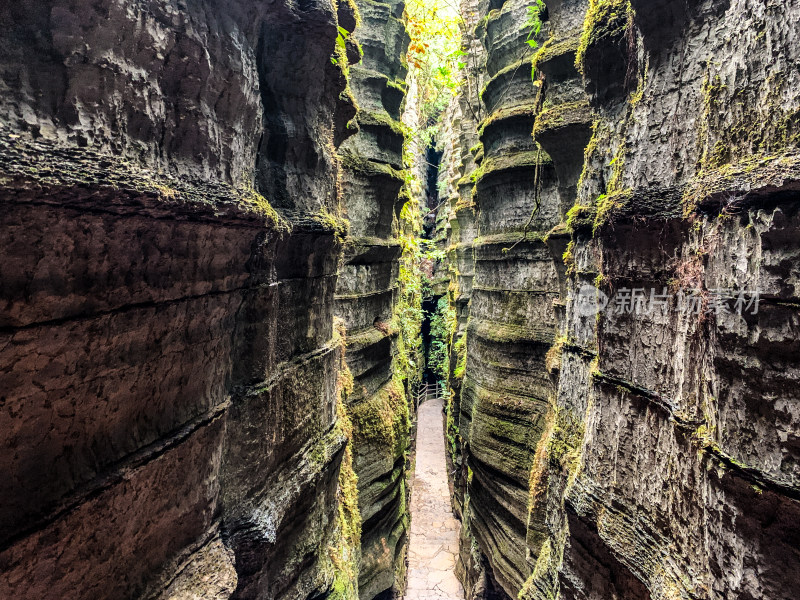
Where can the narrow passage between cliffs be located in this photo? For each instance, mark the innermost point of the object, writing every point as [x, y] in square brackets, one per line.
[433, 545]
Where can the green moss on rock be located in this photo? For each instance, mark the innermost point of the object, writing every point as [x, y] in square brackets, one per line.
[375, 119]
[383, 418]
[562, 115]
[744, 177]
[609, 205]
[370, 168]
[605, 19]
[527, 111]
[552, 49]
[528, 159]
[581, 217]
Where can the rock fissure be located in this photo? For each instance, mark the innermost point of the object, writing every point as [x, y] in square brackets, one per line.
[338, 301]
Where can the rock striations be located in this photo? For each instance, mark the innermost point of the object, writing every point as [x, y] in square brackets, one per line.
[170, 417]
[212, 298]
[367, 296]
[627, 420]
[505, 202]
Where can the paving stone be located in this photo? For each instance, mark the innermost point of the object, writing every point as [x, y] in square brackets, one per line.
[434, 532]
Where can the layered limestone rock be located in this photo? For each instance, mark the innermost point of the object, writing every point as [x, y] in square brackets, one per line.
[367, 295]
[659, 432]
[621, 231]
[169, 365]
[675, 428]
[504, 396]
[460, 160]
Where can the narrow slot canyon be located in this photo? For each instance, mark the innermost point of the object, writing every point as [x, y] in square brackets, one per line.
[433, 536]
[400, 299]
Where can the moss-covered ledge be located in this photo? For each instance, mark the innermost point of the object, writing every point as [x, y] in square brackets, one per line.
[376, 119]
[79, 177]
[369, 168]
[523, 112]
[556, 119]
[528, 159]
[744, 182]
[557, 54]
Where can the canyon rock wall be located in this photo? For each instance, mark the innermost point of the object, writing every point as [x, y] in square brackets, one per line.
[367, 296]
[642, 448]
[205, 367]
[170, 369]
[504, 204]
[682, 422]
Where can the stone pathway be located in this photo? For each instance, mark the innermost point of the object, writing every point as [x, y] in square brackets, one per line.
[433, 544]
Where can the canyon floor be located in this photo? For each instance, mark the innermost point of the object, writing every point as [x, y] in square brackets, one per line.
[434, 532]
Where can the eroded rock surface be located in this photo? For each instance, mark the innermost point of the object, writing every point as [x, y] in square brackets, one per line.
[507, 283]
[177, 420]
[367, 296]
[633, 453]
[169, 364]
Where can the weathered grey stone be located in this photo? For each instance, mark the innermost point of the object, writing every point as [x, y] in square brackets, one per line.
[664, 456]
[367, 294]
[169, 365]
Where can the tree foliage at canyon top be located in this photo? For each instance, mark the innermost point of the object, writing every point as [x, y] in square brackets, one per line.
[435, 55]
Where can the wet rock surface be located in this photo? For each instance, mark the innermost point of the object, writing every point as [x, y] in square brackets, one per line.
[169, 362]
[633, 454]
[367, 294]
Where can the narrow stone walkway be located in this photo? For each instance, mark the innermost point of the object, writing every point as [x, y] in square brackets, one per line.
[434, 531]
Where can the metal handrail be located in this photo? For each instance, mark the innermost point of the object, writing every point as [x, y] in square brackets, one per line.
[429, 391]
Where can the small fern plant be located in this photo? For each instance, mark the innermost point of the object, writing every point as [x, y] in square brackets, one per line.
[341, 45]
[533, 24]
